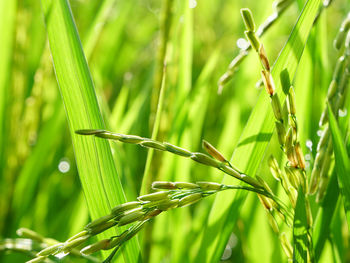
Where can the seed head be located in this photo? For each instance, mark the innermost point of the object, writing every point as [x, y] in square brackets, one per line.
[273, 223]
[339, 40]
[209, 186]
[280, 5]
[177, 150]
[292, 194]
[332, 89]
[254, 41]
[163, 185]
[89, 132]
[152, 213]
[153, 144]
[154, 196]
[190, 199]
[185, 185]
[69, 245]
[248, 19]
[80, 234]
[268, 82]
[213, 151]
[339, 69]
[264, 183]
[168, 204]
[300, 156]
[50, 250]
[263, 58]
[274, 168]
[322, 187]
[289, 148]
[286, 245]
[99, 221]
[292, 121]
[95, 247]
[115, 241]
[265, 202]
[292, 177]
[205, 159]
[276, 107]
[124, 207]
[25, 232]
[126, 138]
[324, 140]
[281, 132]
[132, 216]
[102, 227]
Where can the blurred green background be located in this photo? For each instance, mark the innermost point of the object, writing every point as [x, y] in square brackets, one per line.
[40, 188]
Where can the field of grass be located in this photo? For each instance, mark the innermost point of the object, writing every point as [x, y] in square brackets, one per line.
[270, 166]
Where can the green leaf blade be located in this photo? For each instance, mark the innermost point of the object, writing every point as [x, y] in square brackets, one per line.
[342, 163]
[321, 229]
[95, 163]
[300, 235]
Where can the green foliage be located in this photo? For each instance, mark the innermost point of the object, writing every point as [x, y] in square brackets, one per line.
[71, 71]
[342, 163]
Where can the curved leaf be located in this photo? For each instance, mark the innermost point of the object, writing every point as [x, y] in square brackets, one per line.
[94, 160]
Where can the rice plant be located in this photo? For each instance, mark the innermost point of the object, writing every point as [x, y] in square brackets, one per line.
[154, 139]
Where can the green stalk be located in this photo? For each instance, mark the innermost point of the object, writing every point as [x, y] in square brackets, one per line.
[147, 177]
[165, 23]
[157, 98]
[158, 89]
